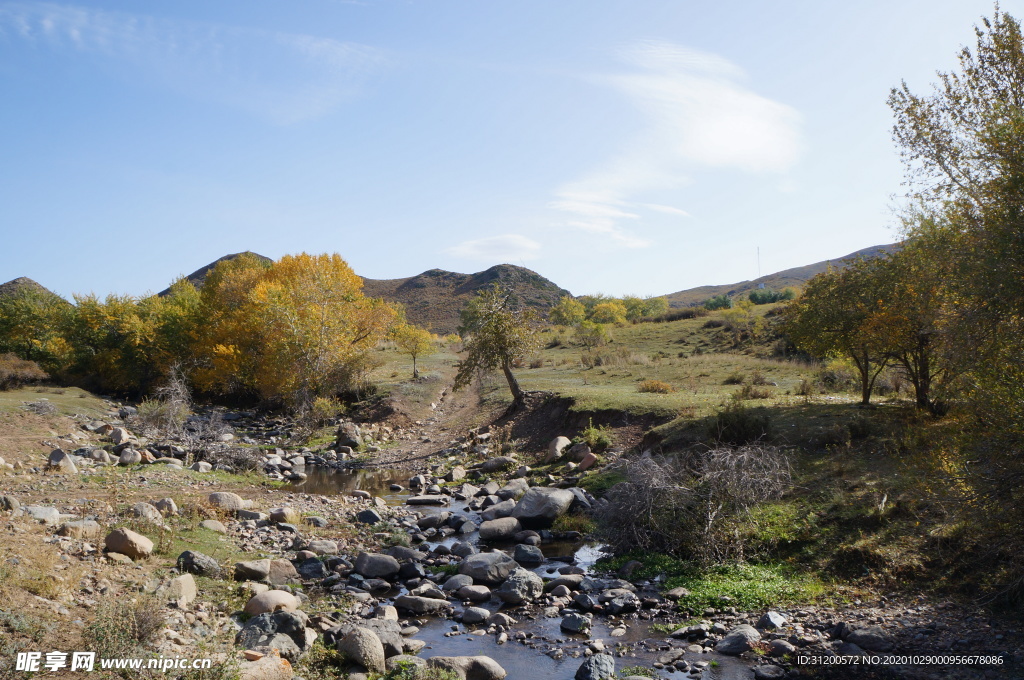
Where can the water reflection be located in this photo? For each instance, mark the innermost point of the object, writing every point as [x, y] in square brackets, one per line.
[326, 481]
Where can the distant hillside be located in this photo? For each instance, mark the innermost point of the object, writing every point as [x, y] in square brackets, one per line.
[434, 298]
[795, 277]
[198, 277]
[23, 283]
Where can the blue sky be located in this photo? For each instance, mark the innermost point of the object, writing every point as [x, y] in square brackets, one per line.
[638, 147]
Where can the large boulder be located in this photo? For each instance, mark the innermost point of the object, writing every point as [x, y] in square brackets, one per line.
[42, 513]
[362, 646]
[502, 529]
[541, 506]
[147, 512]
[181, 590]
[271, 601]
[348, 435]
[469, 667]
[522, 585]
[388, 632]
[83, 529]
[282, 572]
[597, 667]
[871, 638]
[488, 568]
[199, 564]
[225, 500]
[422, 605]
[282, 630]
[499, 464]
[374, 565]
[129, 457]
[253, 570]
[62, 460]
[740, 639]
[127, 542]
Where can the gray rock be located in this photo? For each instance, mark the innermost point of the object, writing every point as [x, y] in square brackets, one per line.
[556, 447]
[499, 464]
[740, 639]
[348, 435]
[253, 570]
[213, 525]
[421, 605]
[474, 593]
[374, 565]
[498, 510]
[226, 500]
[488, 568]
[369, 516]
[769, 672]
[388, 632]
[199, 564]
[521, 586]
[129, 457]
[528, 554]
[148, 512]
[166, 506]
[323, 547]
[473, 615]
[404, 661]
[575, 623]
[201, 466]
[502, 529]
[771, 620]
[469, 667]
[62, 460]
[871, 638]
[127, 542]
[541, 506]
[362, 646]
[40, 513]
[457, 581]
[10, 504]
[82, 529]
[312, 569]
[597, 667]
[282, 572]
[781, 648]
[282, 630]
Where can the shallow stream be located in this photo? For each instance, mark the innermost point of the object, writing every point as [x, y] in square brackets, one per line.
[520, 660]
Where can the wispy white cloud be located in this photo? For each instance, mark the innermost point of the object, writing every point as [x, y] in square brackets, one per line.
[283, 77]
[503, 248]
[698, 113]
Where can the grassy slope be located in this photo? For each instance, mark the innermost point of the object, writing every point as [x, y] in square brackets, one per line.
[856, 512]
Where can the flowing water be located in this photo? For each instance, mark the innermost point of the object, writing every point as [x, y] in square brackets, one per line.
[521, 661]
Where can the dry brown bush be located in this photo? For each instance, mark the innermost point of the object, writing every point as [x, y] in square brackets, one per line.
[15, 372]
[683, 504]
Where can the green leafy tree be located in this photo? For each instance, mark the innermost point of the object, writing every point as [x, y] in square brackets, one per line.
[415, 342]
[610, 311]
[499, 335]
[567, 311]
[718, 302]
[591, 334]
[838, 315]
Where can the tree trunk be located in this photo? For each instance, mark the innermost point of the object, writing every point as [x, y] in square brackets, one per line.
[415, 371]
[517, 393]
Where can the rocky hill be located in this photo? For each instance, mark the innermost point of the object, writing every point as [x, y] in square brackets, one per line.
[795, 278]
[23, 284]
[198, 277]
[434, 298]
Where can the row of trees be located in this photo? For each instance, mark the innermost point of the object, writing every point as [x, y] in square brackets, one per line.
[601, 309]
[287, 331]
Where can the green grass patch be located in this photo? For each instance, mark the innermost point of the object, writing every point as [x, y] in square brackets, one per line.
[742, 585]
[599, 482]
[581, 523]
[68, 401]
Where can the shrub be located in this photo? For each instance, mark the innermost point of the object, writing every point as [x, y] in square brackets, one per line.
[655, 387]
[41, 407]
[751, 392]
[713, 323]
[718, 302]
[597, 438]
[758, 378]
[677, 314]
[735, 378]
[682, 505]
[737, 425]
[805, 389]
[15, 372]
[120, 627]
[537, 363]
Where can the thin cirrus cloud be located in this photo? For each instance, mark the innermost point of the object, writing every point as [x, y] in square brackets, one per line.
[503, 248]
[281, 77]
[698, 114]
